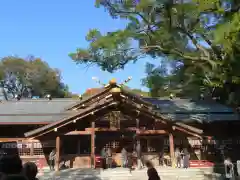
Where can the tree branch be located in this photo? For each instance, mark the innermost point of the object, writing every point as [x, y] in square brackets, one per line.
[175, 52]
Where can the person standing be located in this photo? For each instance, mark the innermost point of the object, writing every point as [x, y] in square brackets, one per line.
[186, 157]
[52, 157]
[109, 158]
[178, 158]
[161, 158]
[229, 168]
[103, 158]
[124, 157]
[152, 172]
[139, 156]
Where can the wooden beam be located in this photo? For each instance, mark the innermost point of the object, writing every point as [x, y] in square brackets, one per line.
[78, 133]
[111, 129]
[93, 145]
[191, 128]
[11, 139]
[18, 139]
[57, 153]
[100, 94]
[187, 132]
[102, 129]
[139, 132]
[24, 123]
[88, 131]
[156, 136]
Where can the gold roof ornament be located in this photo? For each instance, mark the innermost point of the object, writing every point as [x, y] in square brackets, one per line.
[113, 82]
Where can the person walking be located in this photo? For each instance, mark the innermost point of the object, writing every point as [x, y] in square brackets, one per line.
[178, 157]
[52, 157]
[152, 172]
[124, 157]
[109, 158]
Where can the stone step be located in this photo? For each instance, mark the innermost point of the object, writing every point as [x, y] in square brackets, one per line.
[160, 171]
[124, 174]
[162, 178]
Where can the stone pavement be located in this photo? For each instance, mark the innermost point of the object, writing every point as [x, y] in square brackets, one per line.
[71, 174]
[124, 174]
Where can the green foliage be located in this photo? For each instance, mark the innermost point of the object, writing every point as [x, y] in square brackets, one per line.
[157, 80]
[201, 34]
[31, 76]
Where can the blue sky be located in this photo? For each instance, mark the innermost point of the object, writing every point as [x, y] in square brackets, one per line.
[52, 29]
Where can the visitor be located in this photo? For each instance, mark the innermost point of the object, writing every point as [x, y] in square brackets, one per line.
[178, 157]
[10, 164]
[103, 158]
[109, 158]
[63, 165]
[152, 172]
[161, 158]
[52, 158]
[186, 157]
[30, 170]
[130, 161]
[124, 157]
[229, 169]
[139, 156]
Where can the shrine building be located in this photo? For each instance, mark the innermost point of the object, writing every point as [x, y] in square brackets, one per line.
[114, 117]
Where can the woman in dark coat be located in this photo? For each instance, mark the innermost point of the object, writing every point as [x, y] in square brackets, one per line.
[152, 172]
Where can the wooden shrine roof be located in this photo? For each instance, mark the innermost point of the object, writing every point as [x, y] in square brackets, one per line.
[106, 99]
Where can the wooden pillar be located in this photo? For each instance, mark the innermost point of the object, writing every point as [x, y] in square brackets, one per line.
[93, 145]
[57, 153]
[171, 147]
[32, 149]
[137, 127]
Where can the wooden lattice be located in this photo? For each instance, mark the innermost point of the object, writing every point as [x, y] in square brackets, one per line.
[38, 151]
[113, 145]
[24, 151]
